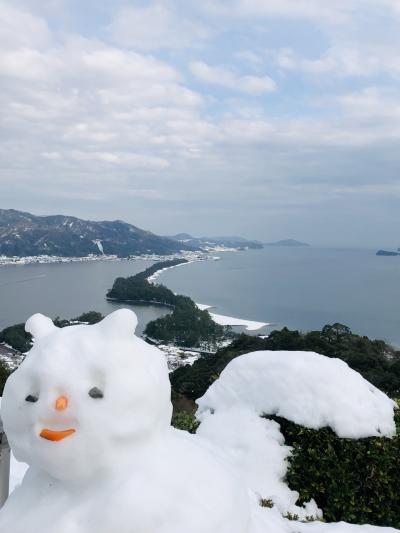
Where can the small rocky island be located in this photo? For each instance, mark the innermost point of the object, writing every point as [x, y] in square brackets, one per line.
[388, 253]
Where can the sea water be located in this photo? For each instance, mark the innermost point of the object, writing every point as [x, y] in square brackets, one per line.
[302, 288]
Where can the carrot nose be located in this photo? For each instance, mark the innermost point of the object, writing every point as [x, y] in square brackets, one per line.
[61, 403]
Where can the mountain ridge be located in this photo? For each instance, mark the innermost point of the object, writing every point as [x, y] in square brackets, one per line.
[24, 234]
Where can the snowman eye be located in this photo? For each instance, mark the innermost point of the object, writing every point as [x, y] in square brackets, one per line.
[31, 398]
[96, 393]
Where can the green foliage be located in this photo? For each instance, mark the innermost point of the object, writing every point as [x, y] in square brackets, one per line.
[90, 317]
[17, 338]
[138, 289]
[185, 421]
[187, 326]
[376, 361]
[351, 480]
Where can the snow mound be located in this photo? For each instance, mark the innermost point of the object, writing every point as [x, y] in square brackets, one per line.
[255, 448]
[305, 387]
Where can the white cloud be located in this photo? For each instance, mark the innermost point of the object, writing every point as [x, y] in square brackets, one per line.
[154, 27]
[88, 120]
[374, 106]
[128, 160]
[227, 78]
[19, 28]
[320, 12]
[346, 59]
[79, 99]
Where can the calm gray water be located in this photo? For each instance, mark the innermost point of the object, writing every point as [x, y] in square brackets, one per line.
[65, 290]
[302, 288]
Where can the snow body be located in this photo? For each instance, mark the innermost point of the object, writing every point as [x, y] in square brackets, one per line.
[124, 468]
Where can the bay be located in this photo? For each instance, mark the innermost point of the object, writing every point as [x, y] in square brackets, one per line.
[66, 290]
[302, 288]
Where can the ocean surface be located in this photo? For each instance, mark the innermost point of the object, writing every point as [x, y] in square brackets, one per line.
[66, 290]
[302, 288]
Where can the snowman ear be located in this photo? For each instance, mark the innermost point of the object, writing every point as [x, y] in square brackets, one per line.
[121, 323]
[39, 326]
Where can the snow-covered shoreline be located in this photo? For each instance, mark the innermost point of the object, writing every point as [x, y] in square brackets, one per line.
[50, 259]
[153, 278]
[224, 320]
[198, 255]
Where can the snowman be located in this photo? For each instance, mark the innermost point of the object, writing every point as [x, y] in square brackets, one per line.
[89, 410]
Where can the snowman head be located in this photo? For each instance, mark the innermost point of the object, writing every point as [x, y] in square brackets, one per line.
[85, 395]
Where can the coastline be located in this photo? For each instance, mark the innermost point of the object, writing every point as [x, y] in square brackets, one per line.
[222, 320]
[198, 255]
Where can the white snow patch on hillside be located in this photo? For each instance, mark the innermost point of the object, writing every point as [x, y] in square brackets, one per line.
[306, 388]
[97, 242]
[224, 320]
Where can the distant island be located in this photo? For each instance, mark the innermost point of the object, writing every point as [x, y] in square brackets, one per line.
[387, 253]
[287, 242]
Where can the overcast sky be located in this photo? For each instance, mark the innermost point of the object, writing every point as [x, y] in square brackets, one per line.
[262, 118]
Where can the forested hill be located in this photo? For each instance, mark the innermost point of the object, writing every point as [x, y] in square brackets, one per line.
[23, 234]
[186, 326]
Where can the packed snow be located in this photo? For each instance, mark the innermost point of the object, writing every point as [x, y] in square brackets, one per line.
[255, 448]
[89, 411]
[304, 387]
[224, 320]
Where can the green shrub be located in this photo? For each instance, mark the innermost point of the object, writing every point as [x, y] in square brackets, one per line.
[185, 421]
[351, 480]
[17, 338]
